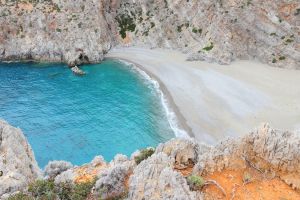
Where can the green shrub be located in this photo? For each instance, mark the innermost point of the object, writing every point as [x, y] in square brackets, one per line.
[56, 7]
[42, 188]
[209, 47]
[152, 24]
[144, 154]
[289, 40]
[20, 196]
[247, 177]
[64, 191]
[82, 190]
[179, 28]
[195, 30]
[282, 58]
[126, 23]
[195, 182]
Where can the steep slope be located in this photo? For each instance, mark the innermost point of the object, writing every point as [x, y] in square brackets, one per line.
[216, 31]
[18, 166]
[261, 162]
[70, 31]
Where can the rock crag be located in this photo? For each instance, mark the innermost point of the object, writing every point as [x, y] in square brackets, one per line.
[18, 166]
[160, 174]
[81, 31]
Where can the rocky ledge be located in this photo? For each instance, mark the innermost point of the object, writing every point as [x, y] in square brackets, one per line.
[177, 169]
[80, 31]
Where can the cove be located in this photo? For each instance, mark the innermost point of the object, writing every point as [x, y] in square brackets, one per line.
[110, 110]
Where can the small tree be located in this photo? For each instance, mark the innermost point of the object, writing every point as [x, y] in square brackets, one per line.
[144, 154]
[195, 182]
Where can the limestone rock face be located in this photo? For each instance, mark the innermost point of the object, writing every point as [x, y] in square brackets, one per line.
[79, 31]
[214, 30]
[111, 182]
[182, 151]
[55, 168]
[17, 162]
[267, 149]
[84, 173]
[72, 31]
[279, 148]
[160, 176]
[155, 178]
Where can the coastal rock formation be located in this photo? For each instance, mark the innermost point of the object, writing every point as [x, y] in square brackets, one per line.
[84, 173]
[155, 178]
[182, 151]
[164, 174]
[81, 31]
[112, 182]
[269, 151]
[18, 166]
[217, 31]
[77, 71]
[72, 31]
[55, 168]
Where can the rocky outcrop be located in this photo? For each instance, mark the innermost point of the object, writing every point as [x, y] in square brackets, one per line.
[267, 150]
[54, 168]
[81, 31]
[72, 31]
[161, 175]
[17, 163]
[77, 71]
[81, 174]
[216, 31]
[112, 182]
[155, 178]
[183, 152]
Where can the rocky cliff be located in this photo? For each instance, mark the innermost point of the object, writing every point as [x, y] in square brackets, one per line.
[17, 163]
[79, 31]
[177, 169]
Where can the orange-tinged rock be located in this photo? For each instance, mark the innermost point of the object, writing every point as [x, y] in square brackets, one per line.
[259, 187]
[86, 174]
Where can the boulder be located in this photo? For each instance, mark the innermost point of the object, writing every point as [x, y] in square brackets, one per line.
[76, 70]
[55, 168]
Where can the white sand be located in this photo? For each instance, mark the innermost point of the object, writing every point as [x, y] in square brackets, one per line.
[217, 101]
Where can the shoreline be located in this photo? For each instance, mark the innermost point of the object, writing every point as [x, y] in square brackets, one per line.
[180, 120]
[212, 101]
[220, 101]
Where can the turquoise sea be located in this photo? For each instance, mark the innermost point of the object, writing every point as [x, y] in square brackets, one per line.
[112, 109]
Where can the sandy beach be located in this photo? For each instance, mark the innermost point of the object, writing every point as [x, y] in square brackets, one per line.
[217, 101]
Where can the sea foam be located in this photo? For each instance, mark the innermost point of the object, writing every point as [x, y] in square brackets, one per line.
[154, 84]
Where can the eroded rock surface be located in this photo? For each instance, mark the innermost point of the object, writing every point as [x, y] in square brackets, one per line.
[155, 178]
[54, 168]
[72, 31]
[163, 175]
[17, 163]
[112, 182]
[78, 31]
[268, 150]
[84, 173]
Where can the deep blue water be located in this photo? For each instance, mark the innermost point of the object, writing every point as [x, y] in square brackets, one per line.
[110, 110]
